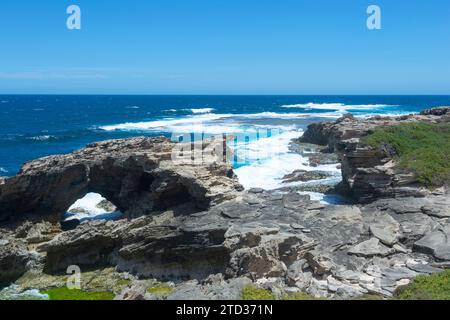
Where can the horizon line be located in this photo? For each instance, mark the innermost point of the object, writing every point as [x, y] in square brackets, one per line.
[220, 94]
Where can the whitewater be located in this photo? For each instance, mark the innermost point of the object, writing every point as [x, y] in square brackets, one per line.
[262, 156]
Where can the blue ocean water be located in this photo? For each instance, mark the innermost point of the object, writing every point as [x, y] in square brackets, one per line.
[33, 126]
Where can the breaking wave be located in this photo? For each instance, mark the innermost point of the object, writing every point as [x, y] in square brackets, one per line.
[340, 107]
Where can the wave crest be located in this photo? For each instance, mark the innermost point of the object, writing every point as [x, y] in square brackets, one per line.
[341, 107]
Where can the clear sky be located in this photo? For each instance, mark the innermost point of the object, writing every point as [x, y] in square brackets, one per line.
[225, 47]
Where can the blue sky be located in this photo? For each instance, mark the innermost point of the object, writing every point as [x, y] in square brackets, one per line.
[225, 47]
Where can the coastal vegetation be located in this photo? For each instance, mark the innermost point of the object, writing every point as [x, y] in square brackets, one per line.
[160, 289]
[434, 287]
[254, 293]
[75, 294]
[421, 147]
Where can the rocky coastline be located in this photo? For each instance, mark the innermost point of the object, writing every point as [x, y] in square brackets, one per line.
[190, 231]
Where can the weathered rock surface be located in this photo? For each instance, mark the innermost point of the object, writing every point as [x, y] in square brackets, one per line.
[329, 251]
[437, 243]
[303, 176]
[370, 248]
[137, 175]
[439, 111]
[370, 173]
[220, 239]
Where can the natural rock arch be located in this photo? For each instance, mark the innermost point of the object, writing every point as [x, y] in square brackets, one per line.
[136, 175]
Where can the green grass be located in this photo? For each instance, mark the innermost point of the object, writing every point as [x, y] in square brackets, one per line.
[75, 294]
[160, 289]
[434, 287]
[253, 293]
[421, 147]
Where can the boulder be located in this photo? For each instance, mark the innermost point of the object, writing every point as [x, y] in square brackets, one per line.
[385, 228]
[436, 243]
[14, 258]
[370, 248]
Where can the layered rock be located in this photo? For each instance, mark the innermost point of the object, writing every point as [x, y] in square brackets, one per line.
[370, 173]
[192, 224]
[330, 251]
[137, 175]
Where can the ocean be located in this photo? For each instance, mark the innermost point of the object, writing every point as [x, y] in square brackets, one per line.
[34, 126]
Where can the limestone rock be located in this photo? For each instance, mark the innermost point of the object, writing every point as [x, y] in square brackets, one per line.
[136, 291]
[137, 175]
[13, 260]
[370, 173]
[436, 243]
[370, 248]
[385, 228]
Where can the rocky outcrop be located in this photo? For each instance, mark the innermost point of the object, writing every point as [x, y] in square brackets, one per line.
[439, 111]
[329, 251]
[137, 175]
[191, 224]
[370, 173]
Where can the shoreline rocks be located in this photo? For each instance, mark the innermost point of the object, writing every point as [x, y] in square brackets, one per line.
[370, 173]
[194, 226]
[136, 175]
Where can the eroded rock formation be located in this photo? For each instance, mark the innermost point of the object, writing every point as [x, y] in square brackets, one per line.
[370, 173]
[192, 224]
[137, 175]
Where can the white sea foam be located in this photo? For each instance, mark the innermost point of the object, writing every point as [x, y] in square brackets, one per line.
[3, 170]
[132, 107]
[41, 138]
[340, 107]
[90, 210]
[324, 198]
[14, 292]
[270, 160]
[167, 124]
[264, 159]
[207, 123]
[202, 110]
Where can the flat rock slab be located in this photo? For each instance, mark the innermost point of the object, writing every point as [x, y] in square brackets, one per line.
[385, 228]
[423, 268]
[236, 210]
[370, 248]
[436, 243]
[440, 208]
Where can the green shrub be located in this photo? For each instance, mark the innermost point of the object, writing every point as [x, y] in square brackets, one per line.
[421, 147]
[434, 287]
[254, 293]
[75, 294]
[160, 289]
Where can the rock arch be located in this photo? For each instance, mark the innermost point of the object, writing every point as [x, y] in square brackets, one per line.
[136, 175]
